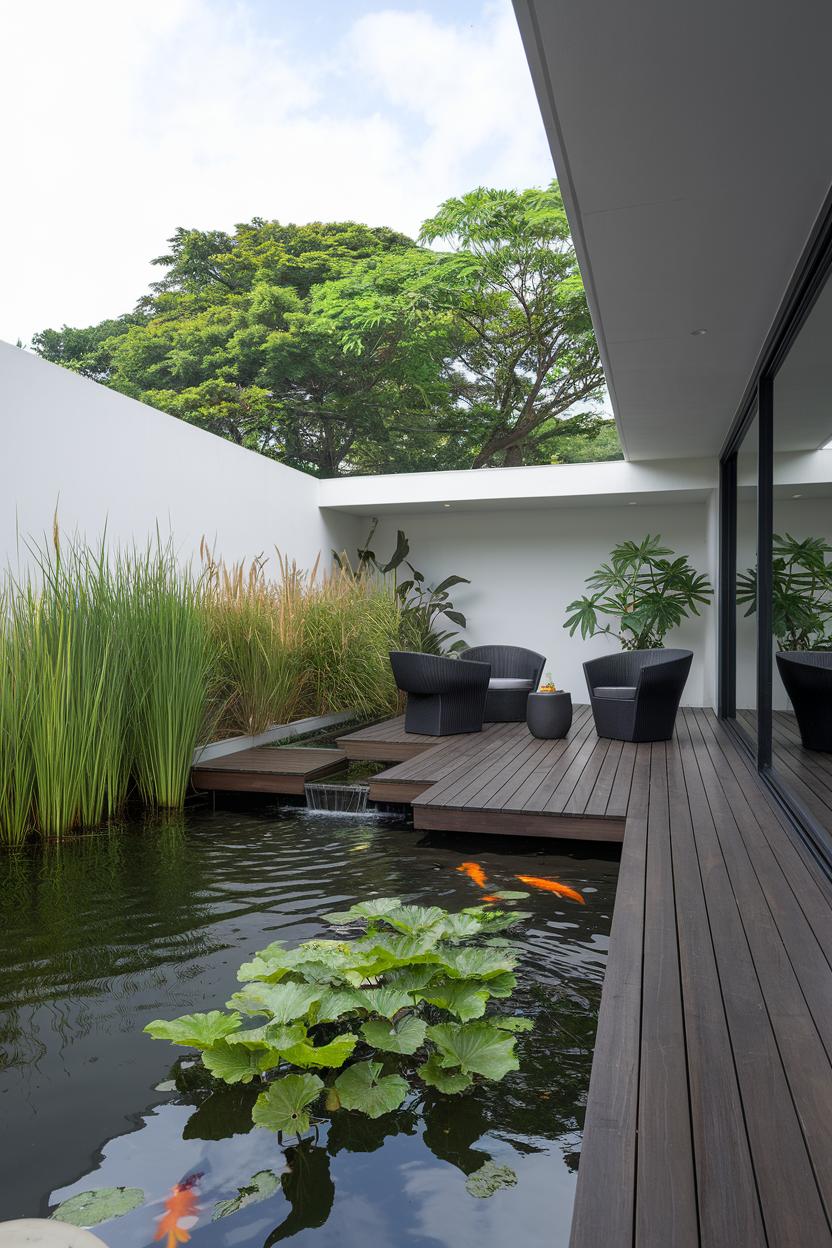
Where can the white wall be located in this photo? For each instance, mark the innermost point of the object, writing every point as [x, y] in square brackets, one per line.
[103, 458]
[525, 566]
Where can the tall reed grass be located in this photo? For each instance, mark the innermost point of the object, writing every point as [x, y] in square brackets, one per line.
[114, 665]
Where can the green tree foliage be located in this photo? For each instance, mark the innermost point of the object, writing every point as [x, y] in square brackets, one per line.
[341, 348]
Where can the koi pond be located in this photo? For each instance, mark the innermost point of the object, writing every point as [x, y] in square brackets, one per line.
[103, 934]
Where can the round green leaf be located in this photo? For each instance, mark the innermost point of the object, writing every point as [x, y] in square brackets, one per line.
[333, 1054]
[284, 1104]
[490, 1178]
[284, 1002]
[437, 1076]
[406, 1037]
[260, 1186]
[235, 1063]
[364, 1088]
[195, 1031]
[90, 1208]
[476, 1048]
[510, 1022]
[464, 997]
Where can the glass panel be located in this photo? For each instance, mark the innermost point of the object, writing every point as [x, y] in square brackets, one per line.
[747, 465]
[802, 570]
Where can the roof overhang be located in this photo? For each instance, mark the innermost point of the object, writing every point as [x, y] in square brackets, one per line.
[694, 151]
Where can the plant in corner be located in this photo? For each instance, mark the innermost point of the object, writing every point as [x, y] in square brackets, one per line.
[645, 590]
[801, 593]
[403, 1001]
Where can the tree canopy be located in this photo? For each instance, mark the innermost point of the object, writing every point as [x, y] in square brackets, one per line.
[341, 348]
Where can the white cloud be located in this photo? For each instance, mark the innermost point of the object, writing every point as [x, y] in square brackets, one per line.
[136, 117]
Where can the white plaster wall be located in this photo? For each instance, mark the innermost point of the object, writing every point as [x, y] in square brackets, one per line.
[525, 566]
[103, 458]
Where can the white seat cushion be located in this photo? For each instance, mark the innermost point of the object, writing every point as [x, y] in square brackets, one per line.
[616, 693]
[508, 682]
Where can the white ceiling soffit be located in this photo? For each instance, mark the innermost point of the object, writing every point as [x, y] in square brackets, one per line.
[693, 143]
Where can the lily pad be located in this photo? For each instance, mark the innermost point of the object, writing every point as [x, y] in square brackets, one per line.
[406, 1037]
[363, 1087]
[333, 1054]
[463, 997]
[386, 1001]
[270, 1036]
[260, 1186]
[478, 963]
[414, 919]
[195, 1031]
[436, 1076]
[476, 1048]
[235, 1063]
[510, 1022]
[284, 1002]
[511, 894]
[490, 1178]
[336, 1002]
[377, 908]
[285, 1103]
[102, 1204]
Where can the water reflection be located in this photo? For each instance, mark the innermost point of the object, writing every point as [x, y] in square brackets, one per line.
[149, 921]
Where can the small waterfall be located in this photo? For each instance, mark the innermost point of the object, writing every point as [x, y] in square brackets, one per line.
[343, 799]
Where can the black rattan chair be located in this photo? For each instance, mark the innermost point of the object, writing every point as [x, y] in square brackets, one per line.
[807, 675]
[635, 694]
[515, 673]
[444, 696]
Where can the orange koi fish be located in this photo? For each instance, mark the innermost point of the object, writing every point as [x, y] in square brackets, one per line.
[474, 872]
[489, 897]
[179, 1206]
[551, 886]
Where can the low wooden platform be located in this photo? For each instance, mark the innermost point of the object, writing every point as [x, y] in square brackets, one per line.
[709, 1119]
[386, 742]
[267, 769]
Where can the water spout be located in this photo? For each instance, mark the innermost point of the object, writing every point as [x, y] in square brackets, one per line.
[346, 799]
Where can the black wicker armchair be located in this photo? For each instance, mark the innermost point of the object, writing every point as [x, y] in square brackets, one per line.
[807, 675]
[515, 673]
[444, 696]
[635, 694]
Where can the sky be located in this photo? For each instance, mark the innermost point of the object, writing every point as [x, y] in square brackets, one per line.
[128, 118]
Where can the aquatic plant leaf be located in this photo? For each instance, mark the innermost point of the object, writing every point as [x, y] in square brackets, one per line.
[364, 1088]
[510, 1022]
[385, 950]
[458, 926]
[377, 908]
[337, 1002]
[285, 1002]
[478, 963]
[406, 1037]
[476, 1048]
[195, 1031]
[502, 985]
[490, 1178]
[314, 959]
[414, 919]
[260, 1186]
[102, 1204]
[270, 1036]
[466, 998]
[386, 1001]
[511, 894]
[308, 1186]
[234, 1063]
[285, 1103]
[413, 979]
[438, 1076]
[333, 1054]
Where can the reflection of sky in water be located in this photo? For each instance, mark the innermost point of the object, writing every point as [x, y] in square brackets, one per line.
[124, 927]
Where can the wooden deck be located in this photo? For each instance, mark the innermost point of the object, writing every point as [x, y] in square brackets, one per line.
[808, 773]
[266, 769]
[502, 780]
[709, 1118]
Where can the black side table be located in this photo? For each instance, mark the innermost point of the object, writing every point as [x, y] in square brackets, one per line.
[549, 715]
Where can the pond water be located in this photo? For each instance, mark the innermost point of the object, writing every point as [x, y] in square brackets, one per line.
[105, 933]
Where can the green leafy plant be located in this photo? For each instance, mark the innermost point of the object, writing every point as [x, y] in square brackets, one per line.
[646, 589]
[422, 605]
[402, 1002]
[801, 592]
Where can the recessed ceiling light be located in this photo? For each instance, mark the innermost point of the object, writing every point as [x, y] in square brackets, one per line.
[698, 333]
[632, 503]
[797, 495]
[446, 504]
